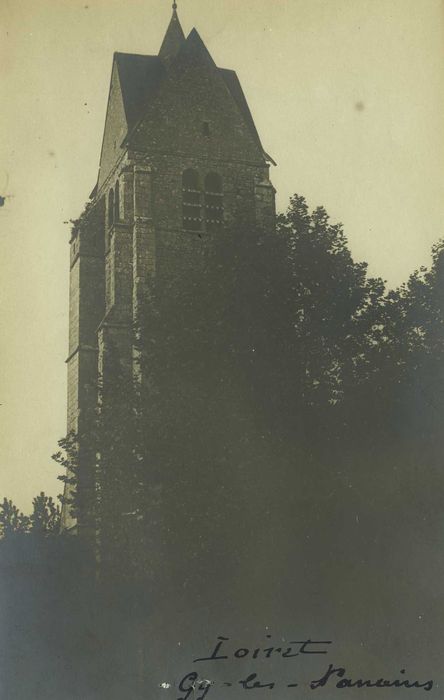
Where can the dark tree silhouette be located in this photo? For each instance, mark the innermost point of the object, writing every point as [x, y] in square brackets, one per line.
[286, 420]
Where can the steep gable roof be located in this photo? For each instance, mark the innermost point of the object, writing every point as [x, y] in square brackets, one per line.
[140, 78]
[194, 45]
[116, 127]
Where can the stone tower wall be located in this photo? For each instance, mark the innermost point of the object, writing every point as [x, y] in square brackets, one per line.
[86, 309]
[194, 122]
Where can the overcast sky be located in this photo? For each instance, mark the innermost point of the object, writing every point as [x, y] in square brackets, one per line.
[347, 95]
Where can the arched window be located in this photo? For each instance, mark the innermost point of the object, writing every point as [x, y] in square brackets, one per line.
[117, 202]
[111, 207]
[214, 202]
[191, 201]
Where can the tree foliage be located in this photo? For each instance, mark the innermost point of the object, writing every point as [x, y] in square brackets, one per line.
[44, 519]
[274, 370]
[12, 520]
[283, 433]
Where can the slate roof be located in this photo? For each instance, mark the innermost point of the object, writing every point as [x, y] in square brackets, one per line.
[174, 38]
[140, 77]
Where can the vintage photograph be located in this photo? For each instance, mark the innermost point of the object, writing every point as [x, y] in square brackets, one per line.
[222, 322]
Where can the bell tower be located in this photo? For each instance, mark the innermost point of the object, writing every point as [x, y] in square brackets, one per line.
[181, 160]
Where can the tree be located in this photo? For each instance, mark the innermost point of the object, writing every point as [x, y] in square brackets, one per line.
[67, 457]
[45, 516]
[398, 381]
[273, 371]
[245, 358]
[44, 519]
[12, 520]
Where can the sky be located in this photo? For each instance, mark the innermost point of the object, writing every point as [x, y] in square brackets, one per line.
[348, 98]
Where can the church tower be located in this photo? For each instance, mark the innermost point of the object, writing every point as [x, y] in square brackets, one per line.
[181, 160]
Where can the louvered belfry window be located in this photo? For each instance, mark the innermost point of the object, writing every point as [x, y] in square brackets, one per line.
[191, 201]
[214, 202]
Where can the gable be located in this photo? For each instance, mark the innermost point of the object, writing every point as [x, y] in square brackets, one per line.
[194, 91]
[147, 96]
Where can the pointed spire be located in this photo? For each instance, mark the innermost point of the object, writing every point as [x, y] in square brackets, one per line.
[173, 39]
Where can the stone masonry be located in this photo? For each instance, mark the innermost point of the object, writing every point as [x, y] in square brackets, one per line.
[181, 160]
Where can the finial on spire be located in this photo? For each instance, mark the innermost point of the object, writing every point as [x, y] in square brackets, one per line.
[174, 38]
